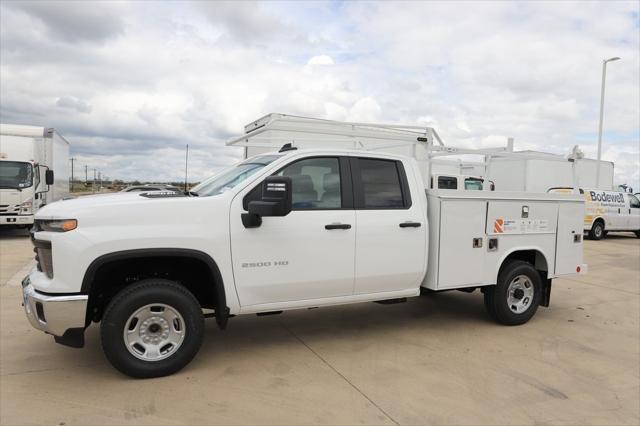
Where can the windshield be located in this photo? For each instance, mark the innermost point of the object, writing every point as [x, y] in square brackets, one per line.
[473, 184]
[228, 178]
[15, 174]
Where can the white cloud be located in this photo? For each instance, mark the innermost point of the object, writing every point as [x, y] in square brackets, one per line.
[365, 110]
[130, 84]
[321, 60]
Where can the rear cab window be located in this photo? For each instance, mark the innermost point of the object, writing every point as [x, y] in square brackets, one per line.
[473, 184]
[447, 182]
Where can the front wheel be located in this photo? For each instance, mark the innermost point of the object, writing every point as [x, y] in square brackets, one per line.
[152, 328]
[516, 296]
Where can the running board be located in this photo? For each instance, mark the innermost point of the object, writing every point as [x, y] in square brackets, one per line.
[264, 314]
[391, 301]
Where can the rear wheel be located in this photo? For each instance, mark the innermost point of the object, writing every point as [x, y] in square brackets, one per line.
[152, 328]
[516, 296]
[597, 231]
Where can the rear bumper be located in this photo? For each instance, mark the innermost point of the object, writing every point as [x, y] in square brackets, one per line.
[16, 220]
[61, 316]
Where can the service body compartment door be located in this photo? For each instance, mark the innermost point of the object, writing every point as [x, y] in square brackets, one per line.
[461, 262]
[520, 217]
[521, 225]
[569, 239]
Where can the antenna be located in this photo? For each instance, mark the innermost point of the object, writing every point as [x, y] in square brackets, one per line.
[186, 168]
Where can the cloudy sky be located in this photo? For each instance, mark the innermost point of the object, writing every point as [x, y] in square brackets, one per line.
[129, 84]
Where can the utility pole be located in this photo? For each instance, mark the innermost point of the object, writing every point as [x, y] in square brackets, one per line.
[85, 175]
[72, 160]
[186, 168]
[604, 75]
[94, 180]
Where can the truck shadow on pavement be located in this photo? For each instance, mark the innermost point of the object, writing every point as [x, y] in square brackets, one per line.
[358, 327]
[13, 234]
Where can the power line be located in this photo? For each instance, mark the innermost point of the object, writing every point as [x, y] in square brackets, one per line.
[186, 165]
[72, 161]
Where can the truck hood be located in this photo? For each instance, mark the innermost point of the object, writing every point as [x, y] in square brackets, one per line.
[124, 208]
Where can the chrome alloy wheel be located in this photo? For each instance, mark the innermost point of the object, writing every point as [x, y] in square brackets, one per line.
[520, 294]
[154, 332]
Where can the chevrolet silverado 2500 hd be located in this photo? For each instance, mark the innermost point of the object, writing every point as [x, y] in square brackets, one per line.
[295, 228]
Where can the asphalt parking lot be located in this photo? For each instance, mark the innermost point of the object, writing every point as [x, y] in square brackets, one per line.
[437, 359]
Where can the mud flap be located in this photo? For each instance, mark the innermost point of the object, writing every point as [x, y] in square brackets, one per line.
[546, 291]
[222, 317]
[73, 337]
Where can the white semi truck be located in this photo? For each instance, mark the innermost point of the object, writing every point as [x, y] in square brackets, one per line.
[291, 229]
[34, 172]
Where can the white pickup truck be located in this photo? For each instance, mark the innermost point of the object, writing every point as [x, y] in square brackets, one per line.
[291, 229]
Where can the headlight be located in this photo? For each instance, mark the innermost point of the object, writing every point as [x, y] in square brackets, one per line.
[26, 206]
[62, 225]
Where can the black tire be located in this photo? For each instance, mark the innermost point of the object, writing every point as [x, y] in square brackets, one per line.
[597, 231]
[496, 298]
[137, 296]
[637, 233]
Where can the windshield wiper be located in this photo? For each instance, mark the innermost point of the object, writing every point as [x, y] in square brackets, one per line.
[10, 187]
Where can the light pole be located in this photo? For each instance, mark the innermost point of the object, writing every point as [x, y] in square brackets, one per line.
[604, 75]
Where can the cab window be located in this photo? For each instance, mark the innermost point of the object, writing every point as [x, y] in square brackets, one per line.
[447, 182]
[315, 183]
[634, 202]
[473, 184]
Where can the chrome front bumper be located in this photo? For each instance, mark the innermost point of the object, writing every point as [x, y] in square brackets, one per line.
[16, 220]
[54, 315]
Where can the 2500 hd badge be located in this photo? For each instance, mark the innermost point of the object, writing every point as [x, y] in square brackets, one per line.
[265, 264]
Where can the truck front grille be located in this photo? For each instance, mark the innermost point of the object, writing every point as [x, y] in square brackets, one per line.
[9, 210]
[44, 258]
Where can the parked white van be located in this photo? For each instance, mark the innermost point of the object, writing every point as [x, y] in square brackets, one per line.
[608, 211]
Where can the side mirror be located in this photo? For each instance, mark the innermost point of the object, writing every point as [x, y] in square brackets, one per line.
[275, 201]
[48, 177]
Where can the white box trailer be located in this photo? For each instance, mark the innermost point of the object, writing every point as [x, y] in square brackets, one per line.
[540, 174]
[34, 171]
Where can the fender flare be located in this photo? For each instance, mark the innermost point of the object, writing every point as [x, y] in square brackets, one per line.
[500, 263]
[595, 219]
[222, 310]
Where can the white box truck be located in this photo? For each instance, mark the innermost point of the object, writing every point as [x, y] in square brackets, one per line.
[290, 229]
[546, 171]
[34, 171]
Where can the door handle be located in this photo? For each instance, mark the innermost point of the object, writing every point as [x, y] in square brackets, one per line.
[337, 226]
[410, 225]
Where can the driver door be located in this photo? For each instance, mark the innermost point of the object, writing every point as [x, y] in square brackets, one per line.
[306, 255]
[633, 223]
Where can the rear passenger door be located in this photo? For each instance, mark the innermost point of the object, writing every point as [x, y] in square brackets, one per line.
[390, 227]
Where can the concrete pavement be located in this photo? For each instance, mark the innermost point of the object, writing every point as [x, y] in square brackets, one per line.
[437, 359]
